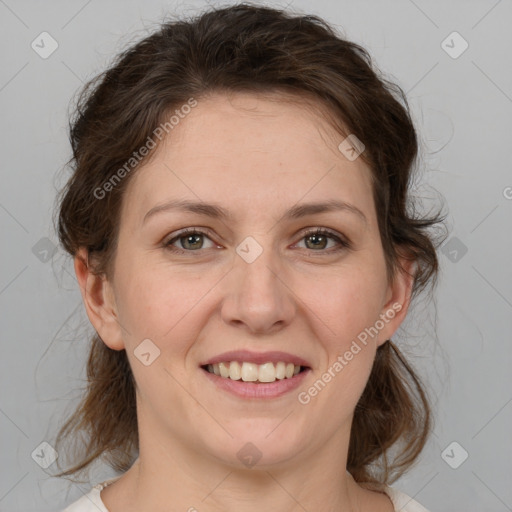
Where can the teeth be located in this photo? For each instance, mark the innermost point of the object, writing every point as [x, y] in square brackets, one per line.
[235, 372]
[266, 372]
[280, 370]
[251, 372]
[224, 370]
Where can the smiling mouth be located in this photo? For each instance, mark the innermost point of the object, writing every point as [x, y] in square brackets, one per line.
[251, 372]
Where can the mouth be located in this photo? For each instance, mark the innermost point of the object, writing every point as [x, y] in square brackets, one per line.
[257, 373]
[251, 381]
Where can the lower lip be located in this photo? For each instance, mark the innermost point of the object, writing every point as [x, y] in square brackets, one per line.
[257, 390]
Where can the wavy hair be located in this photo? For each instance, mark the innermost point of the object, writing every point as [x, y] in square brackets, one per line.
[246, 48]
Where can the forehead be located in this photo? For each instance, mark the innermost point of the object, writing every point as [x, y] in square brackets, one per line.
[249, 149]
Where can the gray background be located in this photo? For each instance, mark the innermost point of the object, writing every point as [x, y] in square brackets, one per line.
[460, 342]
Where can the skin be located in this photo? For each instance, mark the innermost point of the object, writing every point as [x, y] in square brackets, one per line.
[256, 156]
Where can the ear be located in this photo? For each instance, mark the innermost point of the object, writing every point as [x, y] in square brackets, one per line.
[398, 299]
[99, 302]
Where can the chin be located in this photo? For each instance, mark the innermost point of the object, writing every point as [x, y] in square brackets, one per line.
[261, 449]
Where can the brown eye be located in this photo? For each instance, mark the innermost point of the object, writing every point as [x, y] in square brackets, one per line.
[318, 240]
[189, 240]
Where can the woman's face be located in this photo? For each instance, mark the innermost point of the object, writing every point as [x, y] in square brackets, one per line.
[250, 276]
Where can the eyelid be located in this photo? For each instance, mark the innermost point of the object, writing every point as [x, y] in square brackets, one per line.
[167, 242]
[192, 229]
[319, 229]
[343, 241]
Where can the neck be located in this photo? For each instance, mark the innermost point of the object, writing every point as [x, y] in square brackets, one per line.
[175, 476]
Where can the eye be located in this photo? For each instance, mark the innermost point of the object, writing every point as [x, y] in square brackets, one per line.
[318, 239]
[190, 239]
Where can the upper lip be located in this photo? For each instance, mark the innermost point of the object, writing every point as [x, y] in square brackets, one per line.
[257, 358]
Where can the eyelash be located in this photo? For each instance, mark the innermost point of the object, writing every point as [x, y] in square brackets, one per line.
[344, 244]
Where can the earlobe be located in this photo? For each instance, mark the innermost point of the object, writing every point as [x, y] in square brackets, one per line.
[395, 309]
[99, 301]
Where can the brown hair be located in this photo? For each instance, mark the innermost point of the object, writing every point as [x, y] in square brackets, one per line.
[245, 48]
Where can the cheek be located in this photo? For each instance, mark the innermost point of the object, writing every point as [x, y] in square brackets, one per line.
[346, 306]
[345, 302]
[165, 308]
[161, 303]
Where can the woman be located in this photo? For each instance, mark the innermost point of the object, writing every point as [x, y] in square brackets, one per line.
[239, 221]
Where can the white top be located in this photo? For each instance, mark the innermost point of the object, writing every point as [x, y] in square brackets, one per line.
[92, 502]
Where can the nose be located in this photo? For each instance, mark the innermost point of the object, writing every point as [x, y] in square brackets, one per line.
[259, 295]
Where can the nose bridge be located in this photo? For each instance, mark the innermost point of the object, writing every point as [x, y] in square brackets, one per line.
[257, 298]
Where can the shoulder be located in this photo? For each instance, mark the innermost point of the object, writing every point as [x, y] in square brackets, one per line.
[401, 502]
[90, 502]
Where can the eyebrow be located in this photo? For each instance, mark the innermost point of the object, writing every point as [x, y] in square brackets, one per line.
[218, 212]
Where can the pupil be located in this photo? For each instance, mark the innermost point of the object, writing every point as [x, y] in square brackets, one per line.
[190, 239]
[319, 238]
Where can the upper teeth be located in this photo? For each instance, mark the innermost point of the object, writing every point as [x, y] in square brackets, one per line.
[251, 372]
